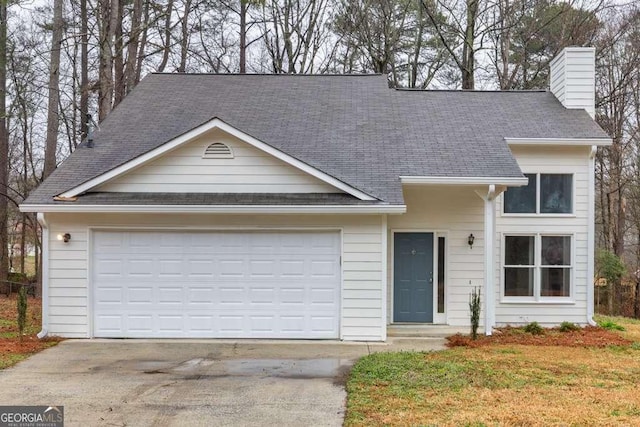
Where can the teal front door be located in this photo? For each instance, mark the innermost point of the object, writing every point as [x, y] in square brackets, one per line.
[413, 277]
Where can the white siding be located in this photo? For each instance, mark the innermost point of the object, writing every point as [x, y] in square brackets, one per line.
[183, 170]
[572, 78]
[458, 212]
[362, 288]
[574, 160]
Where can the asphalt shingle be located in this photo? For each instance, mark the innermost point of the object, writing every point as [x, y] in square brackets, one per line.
[353, 128]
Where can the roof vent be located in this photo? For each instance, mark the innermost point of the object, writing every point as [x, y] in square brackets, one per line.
[218, 150]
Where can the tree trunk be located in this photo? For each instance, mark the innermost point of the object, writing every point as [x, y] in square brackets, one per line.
[243, 36]
[184, 43]
[636, 311]
[108, 16]
[84, 69]
[143, 44]
[4, 146]
[468, 48]
[54, 91]
[132, 48]
[118, 55]
[167, 37]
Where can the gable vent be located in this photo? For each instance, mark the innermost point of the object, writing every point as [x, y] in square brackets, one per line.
[218, 150]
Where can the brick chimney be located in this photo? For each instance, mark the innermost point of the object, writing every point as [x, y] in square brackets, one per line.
[573, 78]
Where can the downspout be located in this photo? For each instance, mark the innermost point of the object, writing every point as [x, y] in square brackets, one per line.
[591, 232]
[45, 276]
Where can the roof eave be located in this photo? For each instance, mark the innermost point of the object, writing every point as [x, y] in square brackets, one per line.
[221, 209]
[466, 181]
[602, 142]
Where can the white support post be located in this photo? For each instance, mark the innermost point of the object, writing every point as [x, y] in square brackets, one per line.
[489, 255]
[489, 263]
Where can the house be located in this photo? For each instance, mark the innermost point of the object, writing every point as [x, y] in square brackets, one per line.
[323, 207]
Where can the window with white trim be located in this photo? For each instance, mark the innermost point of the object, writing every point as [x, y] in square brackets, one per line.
[537, 266]
[546, 193]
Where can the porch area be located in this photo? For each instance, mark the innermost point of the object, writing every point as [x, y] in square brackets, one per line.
[426, 330]
[437, 254]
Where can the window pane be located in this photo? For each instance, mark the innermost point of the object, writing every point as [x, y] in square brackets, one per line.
[556, 250]
[441, 268]
[555, 193]
[518, 282]
[519, 250]
[555, 282]
[521, 199]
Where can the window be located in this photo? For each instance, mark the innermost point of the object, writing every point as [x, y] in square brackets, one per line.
[519, 266]
[441, 267]
[537, 266]
[544, 194]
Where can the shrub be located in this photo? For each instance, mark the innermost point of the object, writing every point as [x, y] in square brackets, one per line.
[534, 328]
[610, 325]
[22, 309]
[474, 309]
[568, 327]
[17, 278]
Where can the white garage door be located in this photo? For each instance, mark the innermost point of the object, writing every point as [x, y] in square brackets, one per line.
[216, 284]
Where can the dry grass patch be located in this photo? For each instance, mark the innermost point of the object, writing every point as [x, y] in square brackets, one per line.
[499, 384]
[631, 326]
[13, 349]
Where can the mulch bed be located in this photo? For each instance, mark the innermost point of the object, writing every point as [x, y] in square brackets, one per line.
[29, 343]
[590, 336]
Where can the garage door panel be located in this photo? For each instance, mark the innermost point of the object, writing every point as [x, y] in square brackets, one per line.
[170, 295]
[170, 268]
[141, 267]
[137, 295]
[216, 284]
[140, 324]
[109, 295]
[228, 268]
[141, 242]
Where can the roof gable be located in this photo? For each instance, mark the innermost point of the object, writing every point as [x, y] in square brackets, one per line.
[180, 166]
[216, 162]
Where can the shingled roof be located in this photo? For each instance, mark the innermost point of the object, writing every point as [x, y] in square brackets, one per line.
[353, 128]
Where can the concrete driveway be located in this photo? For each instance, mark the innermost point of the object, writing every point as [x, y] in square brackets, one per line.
[191, 383]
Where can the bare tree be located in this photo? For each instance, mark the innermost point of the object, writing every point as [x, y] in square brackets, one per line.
[294, 33]
[51, 147]
[4, 146]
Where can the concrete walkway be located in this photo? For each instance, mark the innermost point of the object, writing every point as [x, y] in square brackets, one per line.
[193, 382]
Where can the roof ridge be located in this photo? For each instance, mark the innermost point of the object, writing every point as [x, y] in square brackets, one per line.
[272, 74]
[406, 89]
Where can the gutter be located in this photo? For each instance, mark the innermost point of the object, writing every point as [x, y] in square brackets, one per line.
[239, 209]
[559, 141]
[591, 231]
[45, 276]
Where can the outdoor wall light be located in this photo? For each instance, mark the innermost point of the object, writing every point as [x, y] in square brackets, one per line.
[470, 240]
[64, 237]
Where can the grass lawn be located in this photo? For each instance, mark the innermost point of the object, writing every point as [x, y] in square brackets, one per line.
[12, 348]
[507, 381]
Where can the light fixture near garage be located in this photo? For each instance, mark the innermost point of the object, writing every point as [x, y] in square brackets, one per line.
[64, 237]
[470, 240]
